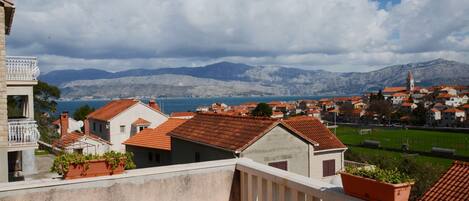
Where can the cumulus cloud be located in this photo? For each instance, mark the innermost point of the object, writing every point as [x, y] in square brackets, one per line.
[336, 35]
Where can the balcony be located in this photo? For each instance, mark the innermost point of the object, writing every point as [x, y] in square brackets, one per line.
[22, 134]
[223, 180]
[20, 68]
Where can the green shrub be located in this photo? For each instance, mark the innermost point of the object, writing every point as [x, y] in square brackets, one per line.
[392, 176]
[63, 161]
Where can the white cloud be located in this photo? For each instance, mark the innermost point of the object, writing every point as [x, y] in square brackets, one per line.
[337, 35]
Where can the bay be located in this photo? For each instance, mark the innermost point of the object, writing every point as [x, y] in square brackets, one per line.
[169, 105]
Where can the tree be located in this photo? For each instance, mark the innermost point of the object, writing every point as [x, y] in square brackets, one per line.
[419, 114]
[82, 112]
[262, 110]
[44, 97]
[347, 109]
[382, 108]
[44, 104]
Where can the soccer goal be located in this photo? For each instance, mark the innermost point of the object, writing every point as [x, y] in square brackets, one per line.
[365, 131]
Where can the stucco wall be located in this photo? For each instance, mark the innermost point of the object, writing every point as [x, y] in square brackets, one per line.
[318, 158]
[129, 116]
[279, 145]
[3, 103]
[196, 182]
[141, 156]
[184, 152]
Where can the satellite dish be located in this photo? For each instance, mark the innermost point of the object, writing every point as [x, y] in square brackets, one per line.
[80, 124]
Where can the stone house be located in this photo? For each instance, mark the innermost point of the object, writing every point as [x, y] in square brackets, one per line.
[301, 144]
[118, 120]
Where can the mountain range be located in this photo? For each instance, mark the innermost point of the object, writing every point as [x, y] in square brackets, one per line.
[236, 79]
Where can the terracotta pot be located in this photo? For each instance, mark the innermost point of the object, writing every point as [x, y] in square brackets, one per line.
[370, 189]
[95, 168]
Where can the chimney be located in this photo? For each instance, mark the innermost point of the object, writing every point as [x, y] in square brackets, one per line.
[154, 105]
[86, 124]
[63, 123]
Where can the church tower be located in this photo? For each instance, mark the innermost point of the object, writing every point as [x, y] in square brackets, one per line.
[410, 82]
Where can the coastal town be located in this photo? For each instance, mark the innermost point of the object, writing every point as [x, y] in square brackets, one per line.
[394, 143]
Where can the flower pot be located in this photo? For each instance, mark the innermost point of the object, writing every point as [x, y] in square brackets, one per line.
[95, 168]
[370, 189]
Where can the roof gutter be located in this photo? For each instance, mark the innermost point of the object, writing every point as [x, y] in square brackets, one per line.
[326, 150]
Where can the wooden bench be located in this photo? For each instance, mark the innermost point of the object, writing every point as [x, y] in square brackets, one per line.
[443, 151]
[371, 143]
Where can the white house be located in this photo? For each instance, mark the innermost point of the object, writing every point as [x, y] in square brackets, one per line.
[433, 117]
[119, 119]
[398, 98]
[75, 141]
[456, 101]
[302, 145]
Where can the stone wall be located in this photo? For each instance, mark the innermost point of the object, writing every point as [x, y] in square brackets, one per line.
[3, 103]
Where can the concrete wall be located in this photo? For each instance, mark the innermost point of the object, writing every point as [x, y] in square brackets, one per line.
[317, 158]
[280, 145]
[141, 156]
[184, 152]
[201, 181]
[129, 116]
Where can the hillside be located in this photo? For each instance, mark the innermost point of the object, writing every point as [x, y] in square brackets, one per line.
[231, 79]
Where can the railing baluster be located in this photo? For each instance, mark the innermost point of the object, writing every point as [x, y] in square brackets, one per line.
[269, 191]
[281, 192]
[22, 131]
[22, 68]
[260, 190]
[294, 194]
[250, 181]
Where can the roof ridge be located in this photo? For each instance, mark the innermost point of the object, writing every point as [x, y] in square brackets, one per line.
[238, 116]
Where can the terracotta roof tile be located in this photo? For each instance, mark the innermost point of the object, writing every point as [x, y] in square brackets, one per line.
[234, 133]
[452, 185]
[73, 137]
[112, 109]
[182, 114]
[452, 110]
[393, 89]
[316, 131]
[155, 138]
[140, 122]
[223, 131]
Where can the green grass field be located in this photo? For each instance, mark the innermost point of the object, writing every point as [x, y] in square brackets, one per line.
[418, 140]
[445, 163]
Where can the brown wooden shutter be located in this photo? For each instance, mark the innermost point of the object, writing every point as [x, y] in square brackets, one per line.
[328, 168]
[283, 165]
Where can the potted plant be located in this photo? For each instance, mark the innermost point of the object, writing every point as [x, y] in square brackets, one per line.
[376, 184]
[74, 165]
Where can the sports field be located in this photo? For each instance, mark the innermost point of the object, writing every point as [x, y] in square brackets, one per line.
[418, 140]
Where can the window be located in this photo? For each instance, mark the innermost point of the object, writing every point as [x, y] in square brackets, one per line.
[157, 158]
[283, 165]
[197, 157]
[78, 151]
[328, 168]
[122, 128]
[100, 128]
[150, 156]
[94, 126]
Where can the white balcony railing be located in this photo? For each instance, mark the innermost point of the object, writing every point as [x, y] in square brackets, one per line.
[22, 131]
[21, 68]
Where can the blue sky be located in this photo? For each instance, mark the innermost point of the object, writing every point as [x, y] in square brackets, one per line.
[334, 35]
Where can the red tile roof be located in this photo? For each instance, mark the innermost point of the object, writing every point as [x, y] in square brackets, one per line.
[393, 89]
[155, 138]
[112, 109]
[182, 114]
[399, 94]
[235, 133]
[315, 130]
[452, 185]
[465, 106]
[140, 122]
[223, 131]
[73, 137]
[452, 110]
[406, 104]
